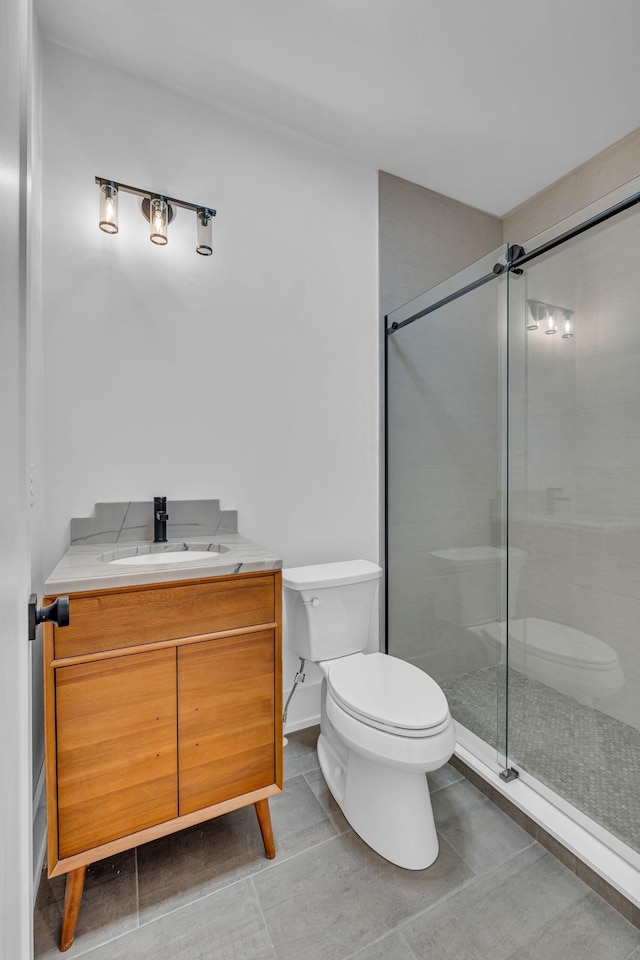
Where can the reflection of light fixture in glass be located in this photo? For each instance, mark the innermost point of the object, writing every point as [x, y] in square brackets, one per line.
[534, 315]
[550, 317]
[204, 242]
[158, 209]
[108, 207]
[567, 325]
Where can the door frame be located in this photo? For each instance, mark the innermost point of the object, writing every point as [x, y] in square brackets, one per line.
[15, 575]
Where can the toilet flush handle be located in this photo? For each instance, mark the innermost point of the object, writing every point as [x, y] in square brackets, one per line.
[314, 602]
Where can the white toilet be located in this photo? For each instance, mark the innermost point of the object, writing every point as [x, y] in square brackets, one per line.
[572, 662]
[384, 723]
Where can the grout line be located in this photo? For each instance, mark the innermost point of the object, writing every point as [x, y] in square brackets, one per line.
[273, 865]
[135, 853]
[264, 919]
[184, 906]
[483, 873]
[301, 773]
[269, 865]
[397, 932]
[454, 893]
[445, 786]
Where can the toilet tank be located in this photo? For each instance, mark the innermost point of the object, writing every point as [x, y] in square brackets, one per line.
[329, 607]
[473, 591]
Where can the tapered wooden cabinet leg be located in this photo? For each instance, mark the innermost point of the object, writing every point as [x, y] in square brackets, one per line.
[264, 819]
[72, 900]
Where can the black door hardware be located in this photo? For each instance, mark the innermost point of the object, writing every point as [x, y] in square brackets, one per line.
[57, 612]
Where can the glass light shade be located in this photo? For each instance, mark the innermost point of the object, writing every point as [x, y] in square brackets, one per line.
[567, 326]
[534, 316]
[158, 220]
[551, 322]
[204, 239]
[108, 208]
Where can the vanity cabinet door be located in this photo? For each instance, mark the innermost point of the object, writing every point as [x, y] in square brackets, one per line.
[116, 725]
[226, 718]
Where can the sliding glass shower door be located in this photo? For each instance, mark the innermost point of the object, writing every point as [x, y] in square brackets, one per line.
[446, 473]
[574, 517]
[513, 509]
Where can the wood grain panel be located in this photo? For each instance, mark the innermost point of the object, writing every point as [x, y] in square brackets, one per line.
[226, 725]
[117, 729]
[164, 829]
[127, 618]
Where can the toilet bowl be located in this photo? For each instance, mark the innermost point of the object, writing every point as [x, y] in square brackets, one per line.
[384, 723]
[572, 662]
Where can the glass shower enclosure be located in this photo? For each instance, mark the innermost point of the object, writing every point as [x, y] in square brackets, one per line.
[513, 509]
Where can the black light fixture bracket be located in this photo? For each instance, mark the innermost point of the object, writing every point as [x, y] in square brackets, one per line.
[150, 194]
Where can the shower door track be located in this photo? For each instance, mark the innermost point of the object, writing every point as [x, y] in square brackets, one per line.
[517, 257]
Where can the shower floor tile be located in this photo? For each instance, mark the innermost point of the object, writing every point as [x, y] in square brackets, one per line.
[588, 758]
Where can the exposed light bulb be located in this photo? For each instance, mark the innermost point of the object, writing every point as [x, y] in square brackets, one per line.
[159, 217]
[108, 208]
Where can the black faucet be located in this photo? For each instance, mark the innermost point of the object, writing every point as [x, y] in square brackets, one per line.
[160, 517]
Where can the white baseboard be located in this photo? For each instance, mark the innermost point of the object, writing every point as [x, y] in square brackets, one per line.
[39, 830]
[302, 724]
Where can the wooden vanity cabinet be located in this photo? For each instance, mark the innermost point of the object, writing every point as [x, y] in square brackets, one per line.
[153, 722]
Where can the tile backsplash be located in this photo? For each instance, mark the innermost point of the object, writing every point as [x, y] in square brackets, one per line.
[132, 521]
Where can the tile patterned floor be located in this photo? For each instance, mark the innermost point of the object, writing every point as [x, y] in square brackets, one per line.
[585, 756]
[209, 894]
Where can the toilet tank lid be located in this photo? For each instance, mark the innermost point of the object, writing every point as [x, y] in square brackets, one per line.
[479, 554]
[330, 574]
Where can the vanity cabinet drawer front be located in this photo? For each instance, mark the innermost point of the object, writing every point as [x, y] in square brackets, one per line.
[109, 621]
[116, 724]
[226, 718]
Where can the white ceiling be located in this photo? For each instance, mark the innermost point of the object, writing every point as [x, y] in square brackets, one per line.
[485, 101]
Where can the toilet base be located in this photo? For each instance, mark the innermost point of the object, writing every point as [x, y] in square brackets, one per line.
[389, 808]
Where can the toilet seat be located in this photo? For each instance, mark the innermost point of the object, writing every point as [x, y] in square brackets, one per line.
[555, 642]
[387, 693]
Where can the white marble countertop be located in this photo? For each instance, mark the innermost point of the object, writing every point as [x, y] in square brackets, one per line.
[81, 568]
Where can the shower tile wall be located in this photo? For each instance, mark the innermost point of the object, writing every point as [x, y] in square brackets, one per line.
[440, 496]
[580, 440]
[444, 394]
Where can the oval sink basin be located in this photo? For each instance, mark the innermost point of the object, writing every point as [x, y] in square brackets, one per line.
[163, 559]
[162, 556]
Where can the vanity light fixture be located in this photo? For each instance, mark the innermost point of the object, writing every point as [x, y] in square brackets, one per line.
[550, 317]
[158, 209]
[567, 325]
[550, 320]
[204, 242]
[108, 207]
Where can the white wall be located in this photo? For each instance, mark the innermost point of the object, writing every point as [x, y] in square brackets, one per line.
[250, 375]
